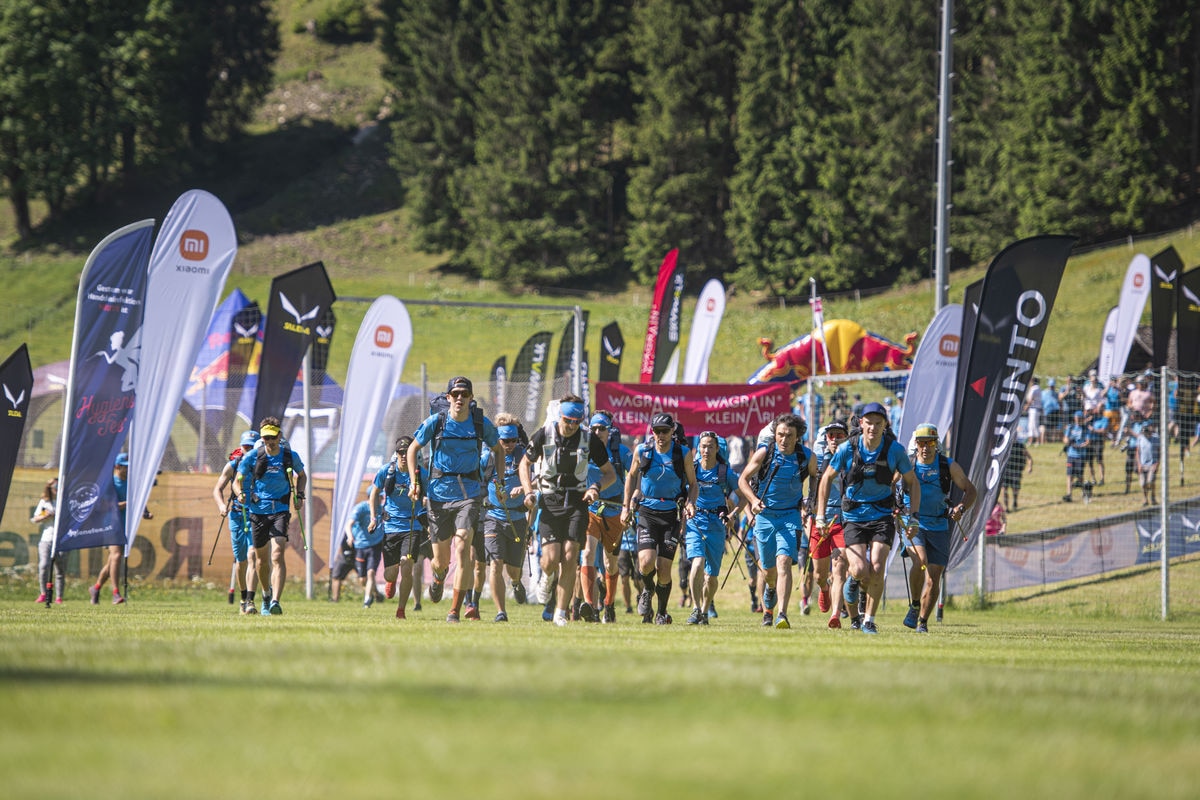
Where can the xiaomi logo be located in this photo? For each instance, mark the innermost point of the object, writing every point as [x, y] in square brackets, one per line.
[384, 336]
[193, 245]
[948, 346]
[1138, 280]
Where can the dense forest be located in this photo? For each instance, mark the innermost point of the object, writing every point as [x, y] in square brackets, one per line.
[770, 140]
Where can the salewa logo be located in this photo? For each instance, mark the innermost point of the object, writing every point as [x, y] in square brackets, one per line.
[1165, 281]
[298, 326]
[193, 245]
[14, 401]
[1193, 301]
[324, 331]
[610, 349]
[247, 332]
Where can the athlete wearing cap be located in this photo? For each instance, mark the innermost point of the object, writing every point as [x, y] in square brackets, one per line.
[244, 557]
[604, 529]
[931, 540]
[505, 527]
[654, 477]
[554, 475]
[830, 569]
[866, 464]
[456, 489]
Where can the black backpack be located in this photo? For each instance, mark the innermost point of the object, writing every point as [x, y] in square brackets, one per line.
[260, 469]
[614, 446]
[766, 471]
[645, 454]
[440, 406]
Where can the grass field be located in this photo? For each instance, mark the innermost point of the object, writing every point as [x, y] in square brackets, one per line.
[175, 695]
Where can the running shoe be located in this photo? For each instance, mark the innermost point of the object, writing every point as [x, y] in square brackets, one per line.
[712, 612]
[389, 590]
[501, 617]
[587, 613]
[869, 627]
[452, 617]
[610, 614]
[782, 623]
[644, 598]
[519, 592]
[769, 598]
[118, 599]
[910, 619]
[94, 592]
[823, 601]
[276, 609]
[41, 598]
[543, 588]
[835, 623]
[856, 624]
[400, 613]
[850, 592]
[768, 619]
[472, 611]
[560, 619]
[417, 606]
[695, 617]
[663, 619]
[58, 601]
[436, 587]
[266, 606]
[805, 608]
[369, 600]
[922, 627]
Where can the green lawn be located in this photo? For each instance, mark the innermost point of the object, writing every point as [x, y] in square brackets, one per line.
[175, 695]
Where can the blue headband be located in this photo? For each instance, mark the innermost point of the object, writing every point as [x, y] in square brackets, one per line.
[572, 410]
[507, 431]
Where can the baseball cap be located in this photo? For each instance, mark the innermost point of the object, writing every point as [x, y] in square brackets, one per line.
[837, 425]
[249, 438]
[1093, 373]
[900, 394]
[926, 430]
[874, 408]
[270, 430]
[598, 421]
[887, 401]
[122, 460]
[459, 382]
[1078, 415]
[662, 420]
[1050, 381]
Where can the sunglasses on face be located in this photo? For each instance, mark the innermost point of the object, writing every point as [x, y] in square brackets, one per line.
[270, 438]
[508, 441]
[460, 395]
[661, 431]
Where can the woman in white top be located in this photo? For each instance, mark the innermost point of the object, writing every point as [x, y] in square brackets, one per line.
[44, 515]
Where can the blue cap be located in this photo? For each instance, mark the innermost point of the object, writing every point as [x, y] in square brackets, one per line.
[507, 431]
[249, 438]
[122, 460]
[598, 421]
[874, 408]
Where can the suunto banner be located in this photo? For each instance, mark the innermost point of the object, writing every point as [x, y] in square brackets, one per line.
[1018, 296]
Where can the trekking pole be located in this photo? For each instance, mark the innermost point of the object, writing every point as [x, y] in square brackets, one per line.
[220, 525]
[738, 552]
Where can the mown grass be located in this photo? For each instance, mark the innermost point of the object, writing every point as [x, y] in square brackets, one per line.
[174, 694]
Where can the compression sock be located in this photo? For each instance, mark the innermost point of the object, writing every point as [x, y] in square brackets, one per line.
[610, 588]
[588, 576]
[456, 599]
[664, 594]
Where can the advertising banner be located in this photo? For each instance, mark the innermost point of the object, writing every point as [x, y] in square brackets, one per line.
[735, 409]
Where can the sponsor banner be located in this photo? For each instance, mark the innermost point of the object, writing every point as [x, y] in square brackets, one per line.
[298, 301]
[734, 409]
[564, 364]
[192, 256]
[322, 340]
[498, 381]
[1108, 341]
[706, 322]
[1018, 296]
[1187, 338]
[966, 337]
[103, 375]
[934, 368]
[245, 337]
[670, 329]
[1166, 268]
[526, 383]
[376, 363]
[612, 347]
[16, 378]
[1135, 289]
[650, 349]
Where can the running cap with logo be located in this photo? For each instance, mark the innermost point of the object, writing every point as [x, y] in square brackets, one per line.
[458, 383]
[249, 438]
[122, 460]
[926, 430]
[662, 420]
[837, 425]
[874, 408]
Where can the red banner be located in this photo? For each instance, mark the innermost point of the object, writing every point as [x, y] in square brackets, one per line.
[735, 409]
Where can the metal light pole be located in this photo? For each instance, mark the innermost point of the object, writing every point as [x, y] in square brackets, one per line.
[941, 248]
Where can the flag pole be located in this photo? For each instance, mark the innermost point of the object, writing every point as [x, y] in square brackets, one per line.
[812, 352]
[306, 520]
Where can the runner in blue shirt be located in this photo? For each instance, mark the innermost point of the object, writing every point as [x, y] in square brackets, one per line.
[708, 528]
[505, 528]
[112, 565]
[662, 478]
[829, 562]
[931, 541]
[782, 467]
[866, 464]
[367, 540]
[244, 557]
[1076, 438]
[455, 485]
[266, 478]
[405, 539]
